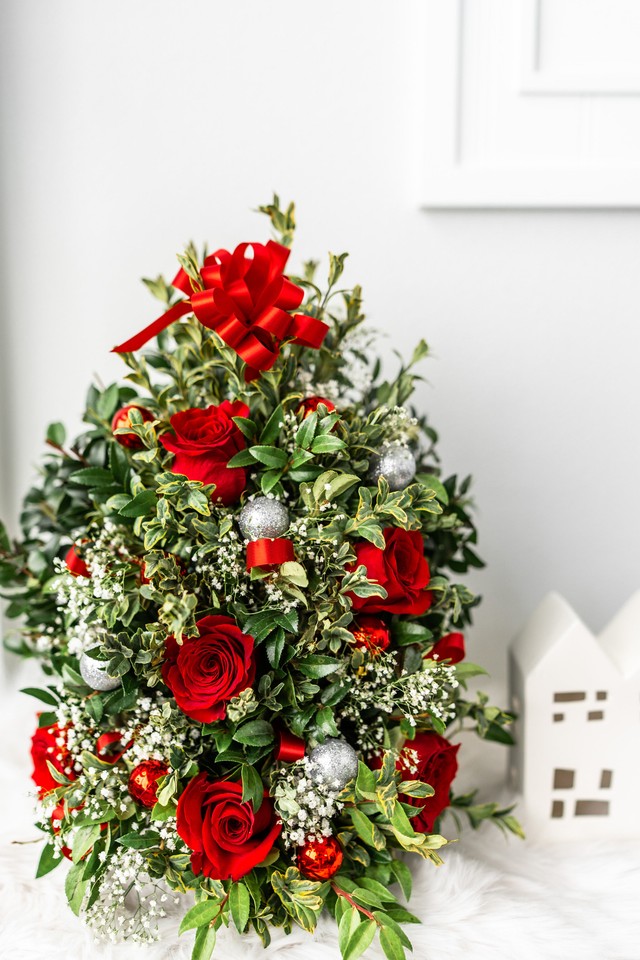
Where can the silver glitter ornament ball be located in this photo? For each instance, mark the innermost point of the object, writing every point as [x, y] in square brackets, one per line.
[396, 464]
[333, 761]
[263, 517]
[94, 673]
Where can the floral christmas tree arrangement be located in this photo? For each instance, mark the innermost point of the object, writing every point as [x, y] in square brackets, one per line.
[238, 582]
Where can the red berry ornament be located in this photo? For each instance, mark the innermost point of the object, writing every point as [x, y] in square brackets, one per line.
[143, 781]
[371, 634]
[122, 419]
[320, 859]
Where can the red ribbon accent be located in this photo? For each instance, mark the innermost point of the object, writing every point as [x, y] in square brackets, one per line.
[269, 553]
[247, 301]
[290, 747]
[104, 741]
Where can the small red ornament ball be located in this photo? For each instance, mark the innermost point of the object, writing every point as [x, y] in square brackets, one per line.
[311, 404]
[143, 781]
[320, 859]
[371, 634]
[121, 419]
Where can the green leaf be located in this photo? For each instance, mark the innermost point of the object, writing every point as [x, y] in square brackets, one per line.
[317, 665]
[255, 733]
[273, 425]
[138, 841]
[252, 787]
[306, 431]
[141, 505]
[327, 443]
[199, 915]
[391, 944]
[84, 839]
[108, 401]
[246, 426]
[239, 904]
[367, 830]
[43, 695]
[274, 647]
[270, 456]
[360, 940]
[75, 887]
[204, 943]
[92, 477]
[56, 433]
[241, 459]
[49, 859]
[349, 923]
[294, 572]
[415, 788]
[300, 898]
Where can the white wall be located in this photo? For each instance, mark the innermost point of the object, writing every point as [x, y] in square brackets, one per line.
[129, 128]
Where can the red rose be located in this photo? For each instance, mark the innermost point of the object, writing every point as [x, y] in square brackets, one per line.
[310, 404]
[432, 759]
[204, 442]
[75, 564]
[44, 746]
[400, 568]
[450, 647]
[122, 419]
[204, 672]
[227, 838]
[371, 634]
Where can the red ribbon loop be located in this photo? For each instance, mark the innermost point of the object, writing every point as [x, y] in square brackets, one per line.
[107, 740]
[290, 747]
[247, 301]
[269, 553]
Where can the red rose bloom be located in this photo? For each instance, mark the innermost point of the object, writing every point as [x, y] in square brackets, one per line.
[371, 634]
[400, 568]
[122, 419]
[227, 838]
[450, 647]
[44, 747]
[204, 442]
[436, 763]
[310, 404]
[204, 672]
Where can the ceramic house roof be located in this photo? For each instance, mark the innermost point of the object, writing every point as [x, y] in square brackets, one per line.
[555, 623]
[620, 640]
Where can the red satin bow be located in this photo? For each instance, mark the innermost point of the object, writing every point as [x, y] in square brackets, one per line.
[290, 747]
[269, 553]
[247, 301]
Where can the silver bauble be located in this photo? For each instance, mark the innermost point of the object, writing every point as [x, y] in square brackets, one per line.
[263, 517]
[333, 762]
[94, 673]
[396, 464]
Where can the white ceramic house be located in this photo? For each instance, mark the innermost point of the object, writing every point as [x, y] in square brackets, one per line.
[577, 760]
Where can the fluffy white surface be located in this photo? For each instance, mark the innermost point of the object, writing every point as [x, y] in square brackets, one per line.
[494, 899]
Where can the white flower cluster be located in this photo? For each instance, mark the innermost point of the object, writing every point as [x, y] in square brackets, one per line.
[78, 597]
[355, 348]
[130, 903]
[377, 689]
[223, 569]
[146, 734]
[400, 427]
[305, 806]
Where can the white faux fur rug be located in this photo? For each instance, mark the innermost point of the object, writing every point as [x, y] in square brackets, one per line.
[494, 899]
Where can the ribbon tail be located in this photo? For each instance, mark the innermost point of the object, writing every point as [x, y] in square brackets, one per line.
[269, 553]
[173, 313]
